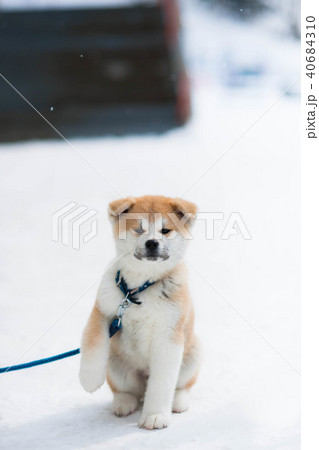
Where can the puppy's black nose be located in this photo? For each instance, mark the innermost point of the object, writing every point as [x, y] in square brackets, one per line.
[151, 245]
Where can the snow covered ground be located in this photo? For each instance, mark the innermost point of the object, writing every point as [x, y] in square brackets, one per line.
[246, 292]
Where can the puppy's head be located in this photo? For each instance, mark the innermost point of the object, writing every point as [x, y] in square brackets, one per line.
[152, 228]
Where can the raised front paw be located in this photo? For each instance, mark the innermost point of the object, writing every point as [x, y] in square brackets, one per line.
[91, 378]
[154, 421]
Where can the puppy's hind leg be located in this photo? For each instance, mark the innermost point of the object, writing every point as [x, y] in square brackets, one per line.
[187, 377]
[126, 384]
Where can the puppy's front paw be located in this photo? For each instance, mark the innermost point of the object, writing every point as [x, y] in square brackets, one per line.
[91, 378]
[124, 404]
[154, 421]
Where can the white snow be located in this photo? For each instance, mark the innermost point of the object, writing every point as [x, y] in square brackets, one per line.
[247, 396]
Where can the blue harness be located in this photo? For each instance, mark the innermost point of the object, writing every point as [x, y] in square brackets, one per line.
[130, 297]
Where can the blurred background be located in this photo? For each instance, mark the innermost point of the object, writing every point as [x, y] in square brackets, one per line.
[117, 67]
[196, 98]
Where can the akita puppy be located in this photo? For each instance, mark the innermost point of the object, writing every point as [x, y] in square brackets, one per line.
[140, 333]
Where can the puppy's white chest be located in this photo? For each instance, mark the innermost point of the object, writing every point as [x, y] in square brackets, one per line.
[143, 325]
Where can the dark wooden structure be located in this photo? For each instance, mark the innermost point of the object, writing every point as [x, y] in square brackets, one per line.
[91, 72]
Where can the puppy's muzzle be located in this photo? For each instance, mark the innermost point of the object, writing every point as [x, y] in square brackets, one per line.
[152, 251]
[152, 246]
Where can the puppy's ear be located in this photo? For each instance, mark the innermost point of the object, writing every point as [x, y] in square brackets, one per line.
[182, 207]
[118, 207]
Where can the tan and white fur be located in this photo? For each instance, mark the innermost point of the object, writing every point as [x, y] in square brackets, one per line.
[155, 356]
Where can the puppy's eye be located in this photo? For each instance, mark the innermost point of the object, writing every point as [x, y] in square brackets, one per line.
[165, 230]
[139, 230]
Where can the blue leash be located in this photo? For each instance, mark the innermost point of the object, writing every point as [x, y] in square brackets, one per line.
[39, 362]
[129, 294]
